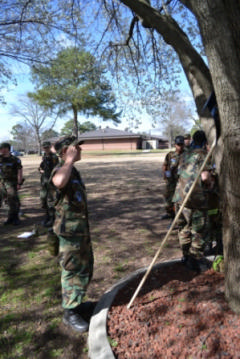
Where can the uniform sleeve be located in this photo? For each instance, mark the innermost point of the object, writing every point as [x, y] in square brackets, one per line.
[55, 169]
[19, 163]
[166, 160]
[55, 160]
[41, 165]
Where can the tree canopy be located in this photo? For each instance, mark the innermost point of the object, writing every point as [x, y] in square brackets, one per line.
[73, 81]
[82, 127]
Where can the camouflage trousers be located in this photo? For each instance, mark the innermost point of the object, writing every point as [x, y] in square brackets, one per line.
[192, 230]
[3, 193]
[12, 199]
[47, 198]
[214, 226]
[169, 192]
[76, 261]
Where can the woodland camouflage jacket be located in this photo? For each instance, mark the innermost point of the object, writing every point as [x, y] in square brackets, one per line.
[189, 165]
[9, 167]
[71, 208]
[48, 163]
[171, 162]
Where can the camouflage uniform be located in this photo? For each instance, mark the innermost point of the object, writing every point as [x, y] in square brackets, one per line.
[75, 250]
[171, 162]
[214, 217]
[9, 167]
[48, 191]
[3, 192]
[193, 222]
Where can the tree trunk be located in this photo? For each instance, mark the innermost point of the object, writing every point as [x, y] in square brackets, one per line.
[220, 29]
[39, 141]
[75, 121]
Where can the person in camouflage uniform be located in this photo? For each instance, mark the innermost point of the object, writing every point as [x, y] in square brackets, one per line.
[193, 221]
[11, 181]
[72, 229]
[170, 169]
[187, 141]
[47, 191]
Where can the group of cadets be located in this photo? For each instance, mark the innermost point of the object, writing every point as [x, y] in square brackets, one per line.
[199, 224]
[63, 197]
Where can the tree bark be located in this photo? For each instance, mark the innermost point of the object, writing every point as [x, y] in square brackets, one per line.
[220, 29]
[75, 121]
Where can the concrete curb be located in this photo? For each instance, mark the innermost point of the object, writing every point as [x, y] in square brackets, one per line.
[98, 344]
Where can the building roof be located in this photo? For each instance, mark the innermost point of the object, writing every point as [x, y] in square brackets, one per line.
[107, 133]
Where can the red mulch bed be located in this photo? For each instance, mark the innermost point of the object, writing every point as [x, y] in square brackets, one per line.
[177, 314]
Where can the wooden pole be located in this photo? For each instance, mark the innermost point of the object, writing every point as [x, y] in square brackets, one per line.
[172, 226]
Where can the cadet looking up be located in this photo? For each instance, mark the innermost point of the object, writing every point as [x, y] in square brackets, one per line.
[47, 191]
[72, 229]
[11, 180]
[170, 168]
[193, 221]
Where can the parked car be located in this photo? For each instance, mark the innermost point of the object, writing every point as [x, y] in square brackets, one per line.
[17, 153]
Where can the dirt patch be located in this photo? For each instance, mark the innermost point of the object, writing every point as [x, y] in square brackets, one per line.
[178, 314]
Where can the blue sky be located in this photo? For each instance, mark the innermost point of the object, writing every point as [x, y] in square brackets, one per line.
[24, 85]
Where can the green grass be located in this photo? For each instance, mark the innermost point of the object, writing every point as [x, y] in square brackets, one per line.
[122, 152]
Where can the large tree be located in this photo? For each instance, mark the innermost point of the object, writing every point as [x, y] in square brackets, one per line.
[22, 137]
[219, 25]
[74, 81]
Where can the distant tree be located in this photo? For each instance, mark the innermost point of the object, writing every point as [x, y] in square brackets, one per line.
[171, 115]
[68, 128]
[22, 136]
[172, 130]
[74, 81]
[34, 115]
[49, 134]
[87, 126]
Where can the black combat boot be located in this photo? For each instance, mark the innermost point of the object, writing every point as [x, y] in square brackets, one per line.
[75, 321]
[185, 251]
[45, 221]
[166, 216]
[9, 220]
[86, 310]
[199, 265]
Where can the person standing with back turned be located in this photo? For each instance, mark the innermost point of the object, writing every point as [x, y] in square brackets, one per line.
[72, 229]
[193, 221]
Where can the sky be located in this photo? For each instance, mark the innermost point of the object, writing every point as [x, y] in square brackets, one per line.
[14, 92]
[24, 85]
